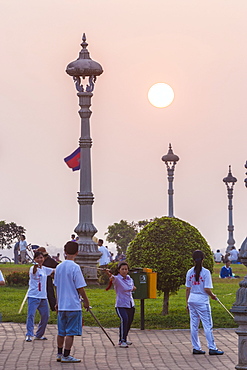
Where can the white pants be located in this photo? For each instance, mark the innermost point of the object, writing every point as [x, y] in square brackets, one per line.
[201, 311]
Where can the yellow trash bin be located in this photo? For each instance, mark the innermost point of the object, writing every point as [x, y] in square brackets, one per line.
[152, 282]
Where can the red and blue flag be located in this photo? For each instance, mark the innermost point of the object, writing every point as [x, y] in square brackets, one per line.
[73, 160]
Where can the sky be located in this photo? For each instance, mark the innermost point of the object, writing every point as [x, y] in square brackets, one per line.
[197, 47]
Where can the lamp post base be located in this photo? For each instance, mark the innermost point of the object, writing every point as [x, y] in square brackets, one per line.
[240, 317]
[88, 263]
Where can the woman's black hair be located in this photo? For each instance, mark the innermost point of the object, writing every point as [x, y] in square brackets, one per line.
[120, 264]
[198, 256]
[37, 254]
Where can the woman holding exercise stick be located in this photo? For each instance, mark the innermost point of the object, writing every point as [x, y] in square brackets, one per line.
[124, 286]
[37, 297]
[198, 290]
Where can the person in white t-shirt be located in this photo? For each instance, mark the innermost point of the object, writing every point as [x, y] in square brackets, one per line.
[37, 298]
[105, 257]
[218, 257]
[198, 289]
[233, 255]
[23, 248]
[2, 281]
[69, 283]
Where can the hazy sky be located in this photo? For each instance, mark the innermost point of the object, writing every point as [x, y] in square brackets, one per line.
[197, 47]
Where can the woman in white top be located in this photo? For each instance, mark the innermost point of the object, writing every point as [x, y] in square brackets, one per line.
[198, 289]
[2, 281]
[37, 298]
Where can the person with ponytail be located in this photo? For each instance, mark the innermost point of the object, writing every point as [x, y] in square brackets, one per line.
[124, 286]
[198, 290]
[37, 297]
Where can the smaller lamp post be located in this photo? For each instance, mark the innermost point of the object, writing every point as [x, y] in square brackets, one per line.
[170, 160]
[230, 181]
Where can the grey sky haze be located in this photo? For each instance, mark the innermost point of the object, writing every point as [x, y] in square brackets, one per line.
[197, 47]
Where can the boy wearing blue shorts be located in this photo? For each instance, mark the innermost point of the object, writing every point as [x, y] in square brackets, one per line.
[69, 283]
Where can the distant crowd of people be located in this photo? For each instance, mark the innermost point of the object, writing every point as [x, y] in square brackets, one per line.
[231, 257]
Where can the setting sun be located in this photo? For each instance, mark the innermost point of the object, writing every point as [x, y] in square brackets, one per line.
[160, 95]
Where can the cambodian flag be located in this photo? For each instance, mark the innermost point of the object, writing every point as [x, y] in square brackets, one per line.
[73, 160]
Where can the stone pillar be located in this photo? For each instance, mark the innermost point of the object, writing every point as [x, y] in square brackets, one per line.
[239, 310]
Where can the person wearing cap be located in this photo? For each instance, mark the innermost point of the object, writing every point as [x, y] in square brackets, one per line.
[49, 262]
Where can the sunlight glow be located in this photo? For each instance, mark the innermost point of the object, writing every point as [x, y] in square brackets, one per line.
[160, 95]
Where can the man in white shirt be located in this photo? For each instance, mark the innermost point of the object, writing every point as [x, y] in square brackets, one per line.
[105, 258]
[233, 255]
[69, 283]
[23, 248]
[218, 256]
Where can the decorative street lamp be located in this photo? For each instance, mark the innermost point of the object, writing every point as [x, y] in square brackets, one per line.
[230, 181]
[170, 160]
[88, 254]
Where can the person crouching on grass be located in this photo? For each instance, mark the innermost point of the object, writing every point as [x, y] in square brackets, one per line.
[198, 289]
[69, 283]
[124, 286]
[37, 298]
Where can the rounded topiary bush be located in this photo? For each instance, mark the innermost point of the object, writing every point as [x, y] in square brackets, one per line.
[166, 245]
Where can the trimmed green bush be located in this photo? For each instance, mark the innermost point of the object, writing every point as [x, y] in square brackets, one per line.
[166, 245]
[17, 278]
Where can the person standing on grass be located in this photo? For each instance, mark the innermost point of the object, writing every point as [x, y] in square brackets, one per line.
[37, 298]
[105, 257]
[2, 281]
[16, 252]
[198, 289]
[124, 286]
[69, 283]
[49, 262]
[23, 248]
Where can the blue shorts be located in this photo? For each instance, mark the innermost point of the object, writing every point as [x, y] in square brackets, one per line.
[69, 323]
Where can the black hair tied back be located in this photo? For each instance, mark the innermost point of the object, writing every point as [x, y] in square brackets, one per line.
[198, 256]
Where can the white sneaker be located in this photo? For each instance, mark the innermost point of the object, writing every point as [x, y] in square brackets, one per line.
[59, 357]
[41, 338]
[70, 359]
[123, 345]
[28, 338]
[128, 343]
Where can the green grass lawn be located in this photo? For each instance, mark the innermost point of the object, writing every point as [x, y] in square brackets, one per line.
[103, 304]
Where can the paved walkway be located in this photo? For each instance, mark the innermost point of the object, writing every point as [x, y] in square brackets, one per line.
[151, 349]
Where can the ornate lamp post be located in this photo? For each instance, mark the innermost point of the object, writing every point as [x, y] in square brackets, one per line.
[170, 160]
[85, 67]
[230, 181]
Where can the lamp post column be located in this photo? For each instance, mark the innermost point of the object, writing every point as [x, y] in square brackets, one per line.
[170, 160]
[230, 181]
[88, 255]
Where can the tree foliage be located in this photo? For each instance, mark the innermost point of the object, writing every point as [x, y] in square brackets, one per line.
[166, 245]
[9, 232]
[121, 234]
